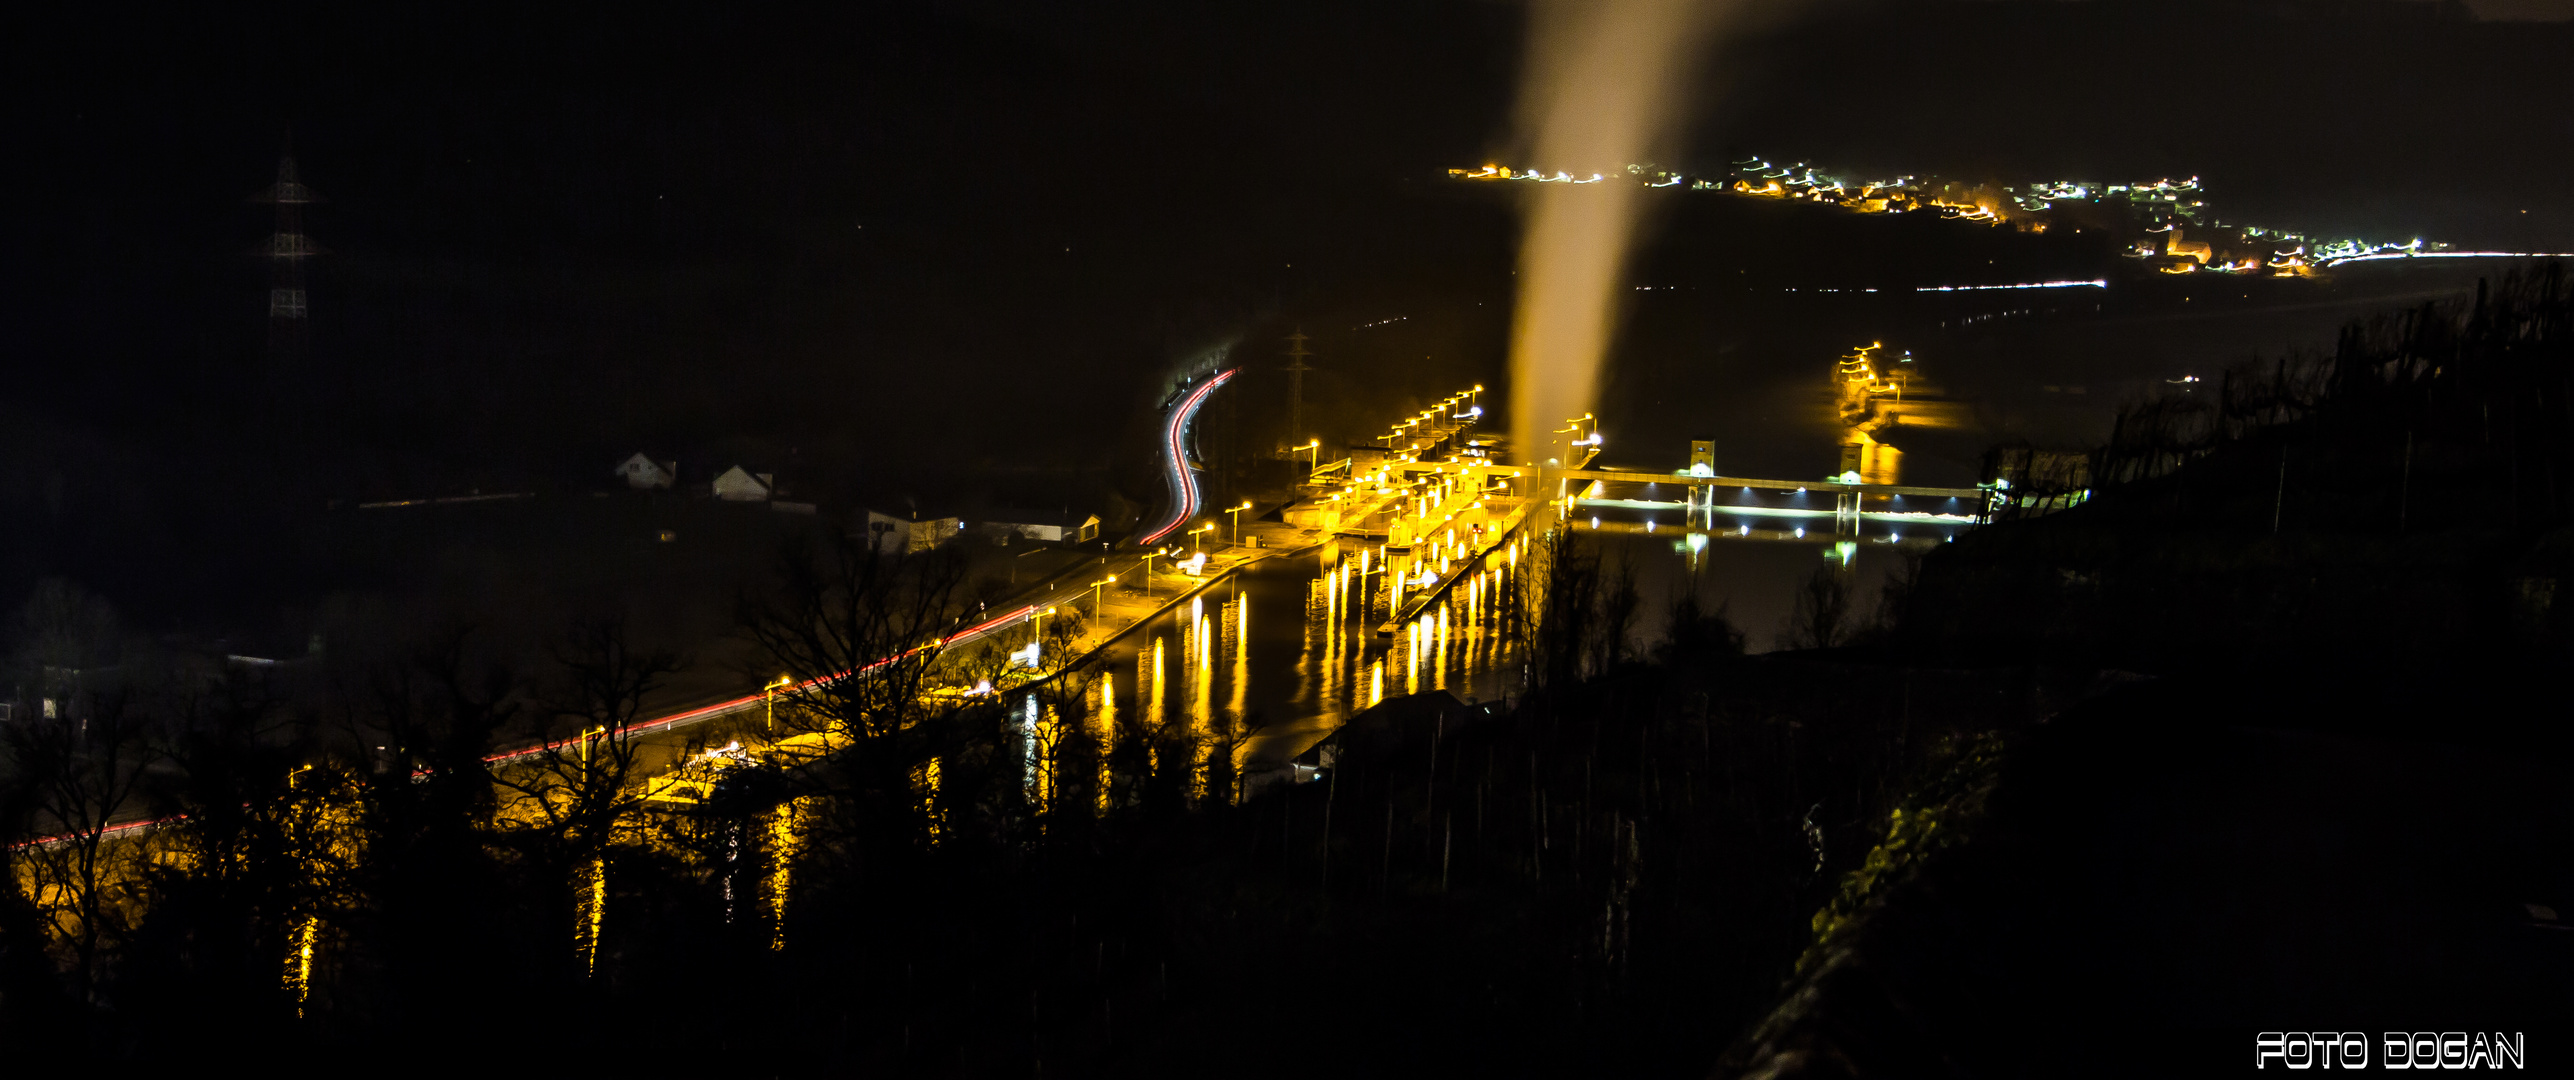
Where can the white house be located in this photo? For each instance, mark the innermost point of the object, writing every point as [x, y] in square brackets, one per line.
[644, 474]
[1051, 526]
[893, 535]
[740, 485]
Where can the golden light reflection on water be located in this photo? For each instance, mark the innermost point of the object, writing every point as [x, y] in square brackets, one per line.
[925, 783]
[299, 964]
[786, 841]
[1201, 675]
[1153, 711]
[1103, 729]
[1240, 706]
[1201, 702]
[1454, 644]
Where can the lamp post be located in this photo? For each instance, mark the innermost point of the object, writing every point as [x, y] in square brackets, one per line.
[1313, 457]
[771, 693]
[1196, 533]
[1037, 627]
[1236, 513]
[1148, 568]
[1095, 596]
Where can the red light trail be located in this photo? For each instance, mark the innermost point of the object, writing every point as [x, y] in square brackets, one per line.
[1175, 453]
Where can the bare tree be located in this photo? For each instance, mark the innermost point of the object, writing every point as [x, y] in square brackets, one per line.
[567, 805]
[261, 849]
[83, 770]
[859, 635]
[1619, 602]
[80, 757]
[572, 792]
[1558, 607]
[1821, 617]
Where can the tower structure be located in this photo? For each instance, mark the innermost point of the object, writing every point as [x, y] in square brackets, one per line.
[289, 312]
[1296, 369]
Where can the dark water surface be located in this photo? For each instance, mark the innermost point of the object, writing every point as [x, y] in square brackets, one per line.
[1285, 647]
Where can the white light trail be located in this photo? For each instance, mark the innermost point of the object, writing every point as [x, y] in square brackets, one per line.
[1184, 483]
[2384, 255]
[2096, 283]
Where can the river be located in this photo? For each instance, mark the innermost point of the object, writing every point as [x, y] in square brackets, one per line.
[1282, 647]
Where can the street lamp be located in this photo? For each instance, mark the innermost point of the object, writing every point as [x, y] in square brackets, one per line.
[1313, 460]
[1037, 641]
[1148, 568]
[1236, 513]
[1095, 597]
[771, 693]
[1195, 533]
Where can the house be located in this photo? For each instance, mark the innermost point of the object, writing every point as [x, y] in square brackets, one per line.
[892, 535]
[741, 485]
[1051, 526]
[2197, 250]
[642, 473]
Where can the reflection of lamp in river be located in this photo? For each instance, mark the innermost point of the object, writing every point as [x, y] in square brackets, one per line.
[1411, 657]
[1106, 725]
[1439, 671]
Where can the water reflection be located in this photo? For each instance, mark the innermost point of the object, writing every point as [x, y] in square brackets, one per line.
[1328, 652]
[1210, 667]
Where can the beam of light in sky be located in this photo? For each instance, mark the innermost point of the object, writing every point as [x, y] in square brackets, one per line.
[1599, 91]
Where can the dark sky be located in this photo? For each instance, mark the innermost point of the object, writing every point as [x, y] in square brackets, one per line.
[898, 234]
[2390, 119]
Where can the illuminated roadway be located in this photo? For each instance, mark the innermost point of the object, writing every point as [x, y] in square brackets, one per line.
[1175, 457]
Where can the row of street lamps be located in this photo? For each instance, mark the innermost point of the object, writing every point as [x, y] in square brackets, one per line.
[1036, 621]
[1098, 589]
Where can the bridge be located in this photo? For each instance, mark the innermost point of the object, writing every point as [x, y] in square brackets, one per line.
[1444, 507]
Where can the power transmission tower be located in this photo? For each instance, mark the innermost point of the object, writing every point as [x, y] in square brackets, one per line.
[289, 313]
[1296, 369]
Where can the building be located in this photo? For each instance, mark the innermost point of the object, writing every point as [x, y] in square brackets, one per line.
[1050, 526]
[642, 473]
[892, 535]
[737, 484]
[2196, 250]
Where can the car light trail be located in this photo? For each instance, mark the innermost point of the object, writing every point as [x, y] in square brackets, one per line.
[677, 719]
[1175, 454]
[720, 708]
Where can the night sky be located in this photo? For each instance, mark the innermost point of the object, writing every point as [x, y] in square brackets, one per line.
[903, 249]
